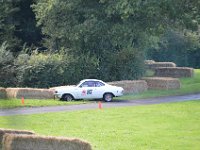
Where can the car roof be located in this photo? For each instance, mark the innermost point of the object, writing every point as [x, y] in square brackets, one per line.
[91, 80]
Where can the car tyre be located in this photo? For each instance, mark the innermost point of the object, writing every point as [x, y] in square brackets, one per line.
[67, 97]
[108, 97]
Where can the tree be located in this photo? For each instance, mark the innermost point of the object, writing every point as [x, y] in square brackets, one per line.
[18, 24]
[178, 47]
[7, 71]
[25, 28]
[7, 26]
[107, 29]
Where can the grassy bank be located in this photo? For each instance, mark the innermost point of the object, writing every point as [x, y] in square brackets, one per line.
[188, 86]
[164, 126]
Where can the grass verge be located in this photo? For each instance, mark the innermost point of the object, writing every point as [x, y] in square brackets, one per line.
[163, 126]
[35, 103]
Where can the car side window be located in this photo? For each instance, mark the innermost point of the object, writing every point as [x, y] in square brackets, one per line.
[99, 84]
[88, 84]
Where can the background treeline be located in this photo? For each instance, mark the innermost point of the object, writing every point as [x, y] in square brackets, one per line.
[45, 43]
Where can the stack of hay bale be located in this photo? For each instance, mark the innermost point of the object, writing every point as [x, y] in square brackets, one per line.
[3, 132]
[29, 93]
[26, 140]
[151, 64]
[162, 83]
[131, 86]
[175, 72]
[2, 93]
[166, 75]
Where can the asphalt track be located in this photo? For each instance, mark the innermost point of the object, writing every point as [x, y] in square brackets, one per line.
[94, 105]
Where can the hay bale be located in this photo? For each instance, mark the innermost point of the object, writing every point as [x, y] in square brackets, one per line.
[162, 83]
[5, 131]
[131, 86]
[2, 93]
[33, 142]
[149, 61]
[175, 72]
[29, 93]
[160, 64]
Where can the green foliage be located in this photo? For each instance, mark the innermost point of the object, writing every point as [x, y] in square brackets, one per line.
[25, 25]
[47, 70]
[183, 49]
[102, 38]
[7, 25]
[7, 76]
[81, 67]
[39, 70]
[90, 28]
[18, 24]
[122, 65]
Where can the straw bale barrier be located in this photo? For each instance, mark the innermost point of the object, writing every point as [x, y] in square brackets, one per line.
[175, 72]
[149, 61]
[31, 93]
[160, 64]
[131, 86]
[162, 83]
[2, 93]
[35, 142]
[5, 131]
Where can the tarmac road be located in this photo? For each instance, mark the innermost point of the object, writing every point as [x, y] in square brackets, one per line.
[94, 105]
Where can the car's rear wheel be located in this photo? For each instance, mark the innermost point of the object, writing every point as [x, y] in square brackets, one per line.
[108, 97]
[67, 97]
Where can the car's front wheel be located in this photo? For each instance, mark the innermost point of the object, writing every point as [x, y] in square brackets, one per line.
[108, 97]
[67, 97]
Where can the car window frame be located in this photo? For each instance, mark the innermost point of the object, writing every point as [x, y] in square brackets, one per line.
[92, 85]
[99, 83]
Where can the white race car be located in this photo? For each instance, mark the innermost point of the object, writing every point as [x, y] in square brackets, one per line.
[89, 89]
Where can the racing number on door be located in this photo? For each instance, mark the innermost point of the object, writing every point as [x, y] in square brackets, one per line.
[86, 92]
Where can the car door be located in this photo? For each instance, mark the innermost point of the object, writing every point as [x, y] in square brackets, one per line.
[99, 89]
[86, 90]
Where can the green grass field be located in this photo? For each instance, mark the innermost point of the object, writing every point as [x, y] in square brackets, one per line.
[158, 127]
